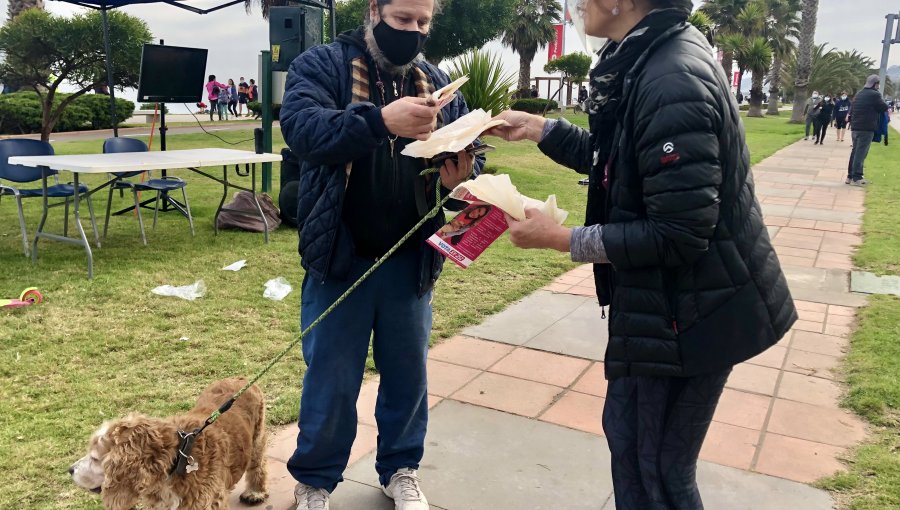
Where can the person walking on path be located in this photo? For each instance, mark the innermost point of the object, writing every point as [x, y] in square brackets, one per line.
[676, 236]
[349, 109]
[865, 114]
[823, 118]
[242, 97]
[808, 110]
[841, 110]
[252, 93]
[232, 97]
[213, 90]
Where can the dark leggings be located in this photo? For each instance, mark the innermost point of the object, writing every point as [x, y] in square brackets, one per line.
[214, 108]
[232, 107]
[820, 132]
[655, 427]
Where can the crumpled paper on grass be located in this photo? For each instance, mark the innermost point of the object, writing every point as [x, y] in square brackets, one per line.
[498, 190]
[277, 289]
[453, 137]
[188, 292]
[237, 266]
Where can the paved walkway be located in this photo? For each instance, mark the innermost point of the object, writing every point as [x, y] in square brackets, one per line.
[517, 399]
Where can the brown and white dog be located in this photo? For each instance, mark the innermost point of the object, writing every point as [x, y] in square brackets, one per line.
[130, 461]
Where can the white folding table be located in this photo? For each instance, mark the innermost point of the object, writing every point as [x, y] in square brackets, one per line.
[192, 159]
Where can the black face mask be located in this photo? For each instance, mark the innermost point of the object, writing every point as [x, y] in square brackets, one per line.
[399, 46]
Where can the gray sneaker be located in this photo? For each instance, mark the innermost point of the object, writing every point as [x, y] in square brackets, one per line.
[847, 180]
[310, 498]
[404, 490]
[859, 182]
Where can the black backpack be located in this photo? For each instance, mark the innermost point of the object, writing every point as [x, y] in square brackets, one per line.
[216, 90]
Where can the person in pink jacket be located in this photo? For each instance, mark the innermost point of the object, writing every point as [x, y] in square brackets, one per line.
[213, 89]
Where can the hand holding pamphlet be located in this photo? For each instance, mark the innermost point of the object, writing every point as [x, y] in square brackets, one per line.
[467, 235]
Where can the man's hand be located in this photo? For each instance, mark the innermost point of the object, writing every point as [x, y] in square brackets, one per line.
[522, 126]
[538, 231]
[410, 117]
[454, 173]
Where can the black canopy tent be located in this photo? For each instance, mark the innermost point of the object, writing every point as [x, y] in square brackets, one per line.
[105, 5]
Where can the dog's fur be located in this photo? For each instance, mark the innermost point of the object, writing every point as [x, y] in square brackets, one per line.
[129, 460]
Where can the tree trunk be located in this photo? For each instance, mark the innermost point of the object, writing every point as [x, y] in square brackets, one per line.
[16, 7]
[727, 64]
[774, 85]
[756, 96]
[525, 59]
[804, 57]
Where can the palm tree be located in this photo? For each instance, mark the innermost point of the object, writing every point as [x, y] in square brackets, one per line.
[757, 57]
[751, 22]
[704, 24]
[782, 29]
[831, 71]
[531, 28]
[807, 40]
[724, 14]
[17, 7]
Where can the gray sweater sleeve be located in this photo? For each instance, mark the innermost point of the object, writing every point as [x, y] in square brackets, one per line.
[586, 245]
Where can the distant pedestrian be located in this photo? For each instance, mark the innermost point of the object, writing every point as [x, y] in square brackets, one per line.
[224, 99]
[213, 90]
[232, 97]
[866, 112]
[252, 93]
[740, 97]
[823, 118]
[808, 111]
[242, 96]
[534, 91]
[841, 110]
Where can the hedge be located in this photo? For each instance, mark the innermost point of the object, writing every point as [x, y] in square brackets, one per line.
[20, 113]
[534, 105]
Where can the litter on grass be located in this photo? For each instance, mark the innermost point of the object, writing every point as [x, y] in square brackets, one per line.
[188, 292]
[277, 289]
[237, 266]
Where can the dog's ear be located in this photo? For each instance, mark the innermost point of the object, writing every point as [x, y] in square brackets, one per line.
[141, 453]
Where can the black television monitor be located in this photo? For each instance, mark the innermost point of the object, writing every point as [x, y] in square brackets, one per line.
[171, 74]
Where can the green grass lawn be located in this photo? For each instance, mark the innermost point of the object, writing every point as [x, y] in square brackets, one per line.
[873, 364]
[98, 349]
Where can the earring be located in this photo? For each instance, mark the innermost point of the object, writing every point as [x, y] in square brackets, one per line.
[615, 11]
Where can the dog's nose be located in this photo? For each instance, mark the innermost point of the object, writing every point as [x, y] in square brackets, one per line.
[72, 470]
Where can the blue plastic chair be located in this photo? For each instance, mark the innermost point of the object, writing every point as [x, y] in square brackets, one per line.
[24, 174]
[160, 186]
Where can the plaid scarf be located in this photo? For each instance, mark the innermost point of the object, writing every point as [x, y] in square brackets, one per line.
[360, 90]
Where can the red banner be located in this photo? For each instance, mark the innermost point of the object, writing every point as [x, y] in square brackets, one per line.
[555, 48]
[737, 79]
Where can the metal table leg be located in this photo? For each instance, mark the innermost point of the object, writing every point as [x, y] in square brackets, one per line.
[40, 229]
[84, 240]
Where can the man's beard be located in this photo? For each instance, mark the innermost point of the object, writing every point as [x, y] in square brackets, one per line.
[378, 56]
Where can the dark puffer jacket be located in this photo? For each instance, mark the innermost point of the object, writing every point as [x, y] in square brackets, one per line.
[695, 284]
[865, 114]
[325, 134]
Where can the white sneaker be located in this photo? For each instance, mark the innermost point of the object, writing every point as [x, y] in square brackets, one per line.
[310, 498]
[404, 490]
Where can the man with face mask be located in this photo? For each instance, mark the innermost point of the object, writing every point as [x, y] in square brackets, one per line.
[349, 109]
[810, 111]
[841, 110]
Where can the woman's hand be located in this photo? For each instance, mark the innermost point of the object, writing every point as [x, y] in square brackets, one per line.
[538, 231]
[522, 126]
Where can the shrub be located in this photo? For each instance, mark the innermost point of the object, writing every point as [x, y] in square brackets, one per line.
[488, 86]
[534, 105]
[98, 104]
[20, 113]
[256, 108]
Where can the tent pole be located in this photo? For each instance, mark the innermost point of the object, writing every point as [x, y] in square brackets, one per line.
[109, 74]
[333, 21]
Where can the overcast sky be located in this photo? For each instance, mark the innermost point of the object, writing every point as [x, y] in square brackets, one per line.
[235, 38]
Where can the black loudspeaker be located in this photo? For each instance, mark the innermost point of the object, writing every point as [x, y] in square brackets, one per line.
[293, 30]
[290, 187]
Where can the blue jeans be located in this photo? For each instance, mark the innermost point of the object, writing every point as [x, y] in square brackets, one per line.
[385, 309]
[862, 141]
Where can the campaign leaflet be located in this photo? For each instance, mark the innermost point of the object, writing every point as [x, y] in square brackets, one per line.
[466, 236]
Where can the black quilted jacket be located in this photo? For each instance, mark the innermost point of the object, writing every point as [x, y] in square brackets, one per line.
[325, 134]
[695, 285]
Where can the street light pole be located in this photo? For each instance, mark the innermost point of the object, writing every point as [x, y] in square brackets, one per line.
[886, 49]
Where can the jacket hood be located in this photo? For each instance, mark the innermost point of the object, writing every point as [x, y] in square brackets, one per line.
[353, 38]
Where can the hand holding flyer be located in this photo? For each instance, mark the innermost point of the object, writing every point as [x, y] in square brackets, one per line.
[453, 137]
[467, 235]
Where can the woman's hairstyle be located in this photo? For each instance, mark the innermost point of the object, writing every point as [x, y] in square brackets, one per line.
[212, 77]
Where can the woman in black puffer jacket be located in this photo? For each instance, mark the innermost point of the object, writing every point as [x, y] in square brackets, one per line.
[676, 235]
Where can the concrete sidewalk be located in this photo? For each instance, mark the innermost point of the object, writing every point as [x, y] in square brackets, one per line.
[517, 399]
